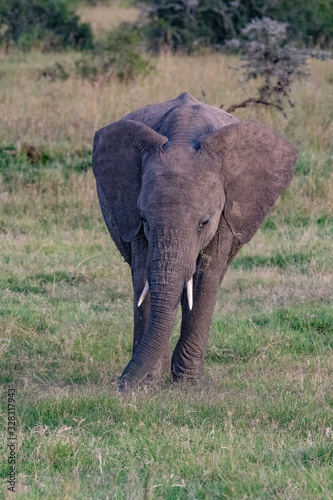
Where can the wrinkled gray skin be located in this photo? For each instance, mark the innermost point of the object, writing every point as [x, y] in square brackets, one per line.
[182, 186]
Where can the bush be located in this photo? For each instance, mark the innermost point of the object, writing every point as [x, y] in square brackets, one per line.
[187, 24]
[117, 57]
[309, 21]
[51, 24]
[268, 56]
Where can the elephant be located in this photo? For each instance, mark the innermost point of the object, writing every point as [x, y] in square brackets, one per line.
[182, 186]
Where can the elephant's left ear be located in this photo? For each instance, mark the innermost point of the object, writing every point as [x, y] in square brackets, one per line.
[257, 164]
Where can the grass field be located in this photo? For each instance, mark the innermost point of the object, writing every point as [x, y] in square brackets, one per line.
[260, 423]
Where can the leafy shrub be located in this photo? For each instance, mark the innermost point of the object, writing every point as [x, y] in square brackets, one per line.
[187, 24]
[108, 64]
[308, 21]
[117, 57]
[51, 24]
[123, 49]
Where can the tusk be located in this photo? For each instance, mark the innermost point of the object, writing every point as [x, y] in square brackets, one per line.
[144, 293]
[189, 289]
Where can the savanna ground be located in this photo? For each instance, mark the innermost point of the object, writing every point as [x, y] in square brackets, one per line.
[260, 423]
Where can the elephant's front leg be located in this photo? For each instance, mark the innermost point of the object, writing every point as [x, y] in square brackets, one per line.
[188, 357]
[139, 251]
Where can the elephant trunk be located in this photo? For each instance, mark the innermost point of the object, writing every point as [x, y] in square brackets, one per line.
[167, 276]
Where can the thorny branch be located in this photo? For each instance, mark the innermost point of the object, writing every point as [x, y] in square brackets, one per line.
[266, 55]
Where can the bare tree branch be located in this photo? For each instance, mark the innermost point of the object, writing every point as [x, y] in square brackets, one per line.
[253, 100]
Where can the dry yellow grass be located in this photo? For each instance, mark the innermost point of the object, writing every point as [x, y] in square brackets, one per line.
[107, 15]
[36, 110]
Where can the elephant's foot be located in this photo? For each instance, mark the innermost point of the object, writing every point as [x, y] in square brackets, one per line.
[186, 365]
[155, 375]
[179, 374]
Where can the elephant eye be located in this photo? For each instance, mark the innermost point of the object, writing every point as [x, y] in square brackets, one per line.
[203, 223]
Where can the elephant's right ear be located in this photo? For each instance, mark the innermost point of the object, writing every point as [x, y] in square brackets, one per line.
[117, 166]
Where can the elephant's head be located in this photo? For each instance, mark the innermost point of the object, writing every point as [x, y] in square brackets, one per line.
[177, 190]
